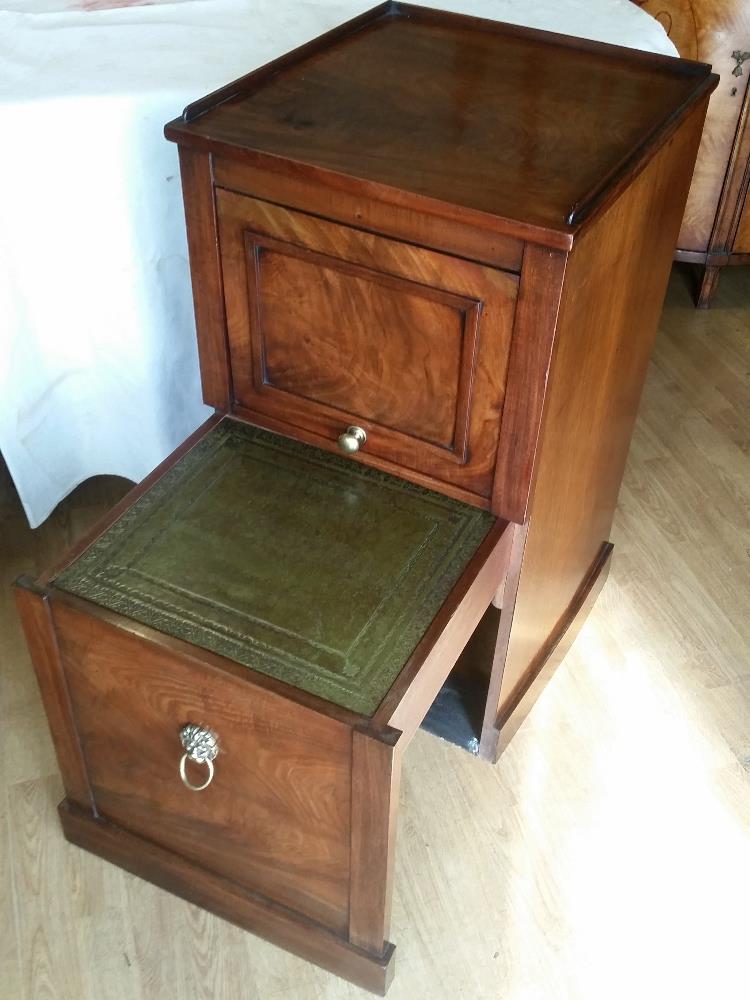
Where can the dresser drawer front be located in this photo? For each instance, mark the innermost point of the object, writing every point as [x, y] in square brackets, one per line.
[276, 815]
[330, 326]
[324, 336]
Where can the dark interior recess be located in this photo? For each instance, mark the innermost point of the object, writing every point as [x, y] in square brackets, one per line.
[457, 712]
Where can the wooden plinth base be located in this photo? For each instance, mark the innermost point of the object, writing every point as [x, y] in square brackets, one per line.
[227, 900]
[559, 643]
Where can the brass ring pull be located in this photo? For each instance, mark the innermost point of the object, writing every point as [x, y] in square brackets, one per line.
[201, 746]
[186, 781]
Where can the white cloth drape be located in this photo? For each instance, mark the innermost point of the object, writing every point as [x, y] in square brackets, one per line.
[98, 365]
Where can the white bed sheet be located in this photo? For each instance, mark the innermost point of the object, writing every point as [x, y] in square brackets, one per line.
[98, 364]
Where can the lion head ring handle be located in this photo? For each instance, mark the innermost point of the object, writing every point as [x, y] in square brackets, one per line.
[202, 746]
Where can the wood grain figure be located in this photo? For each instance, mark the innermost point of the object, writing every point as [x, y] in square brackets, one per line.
[425, 313]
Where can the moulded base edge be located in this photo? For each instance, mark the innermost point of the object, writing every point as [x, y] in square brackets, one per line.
[552, 653]
[227, 900]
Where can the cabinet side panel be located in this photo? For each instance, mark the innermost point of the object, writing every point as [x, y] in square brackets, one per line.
[205, 271]
[34, 611]
[612, 298]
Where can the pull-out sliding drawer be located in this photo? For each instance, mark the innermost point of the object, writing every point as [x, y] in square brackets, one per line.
[300, 612]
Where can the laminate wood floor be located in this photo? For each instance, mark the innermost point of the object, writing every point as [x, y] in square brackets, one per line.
[607, 855]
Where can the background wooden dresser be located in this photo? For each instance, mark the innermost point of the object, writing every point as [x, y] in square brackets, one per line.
[716, 228]
[426, 296]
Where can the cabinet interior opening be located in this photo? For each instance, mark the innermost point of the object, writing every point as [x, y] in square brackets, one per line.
[458, 710]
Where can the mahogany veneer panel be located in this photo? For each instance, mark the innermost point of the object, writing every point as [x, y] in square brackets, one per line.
[317, 344]
[330, 326]
[283, 773]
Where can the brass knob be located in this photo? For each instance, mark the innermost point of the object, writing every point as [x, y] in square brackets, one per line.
[352, 439]
[202, 746]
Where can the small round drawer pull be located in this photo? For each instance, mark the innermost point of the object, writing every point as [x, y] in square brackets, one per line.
[352, 439]
[202, 746]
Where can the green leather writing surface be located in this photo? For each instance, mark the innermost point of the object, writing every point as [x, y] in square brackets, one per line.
[303, 565]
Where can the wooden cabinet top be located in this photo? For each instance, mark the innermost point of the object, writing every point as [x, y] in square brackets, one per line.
[463, 117]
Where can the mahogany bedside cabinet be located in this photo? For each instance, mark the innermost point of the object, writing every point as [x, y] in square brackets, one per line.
[428, 255]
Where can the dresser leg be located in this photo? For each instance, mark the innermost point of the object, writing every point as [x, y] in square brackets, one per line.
[708, 286]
